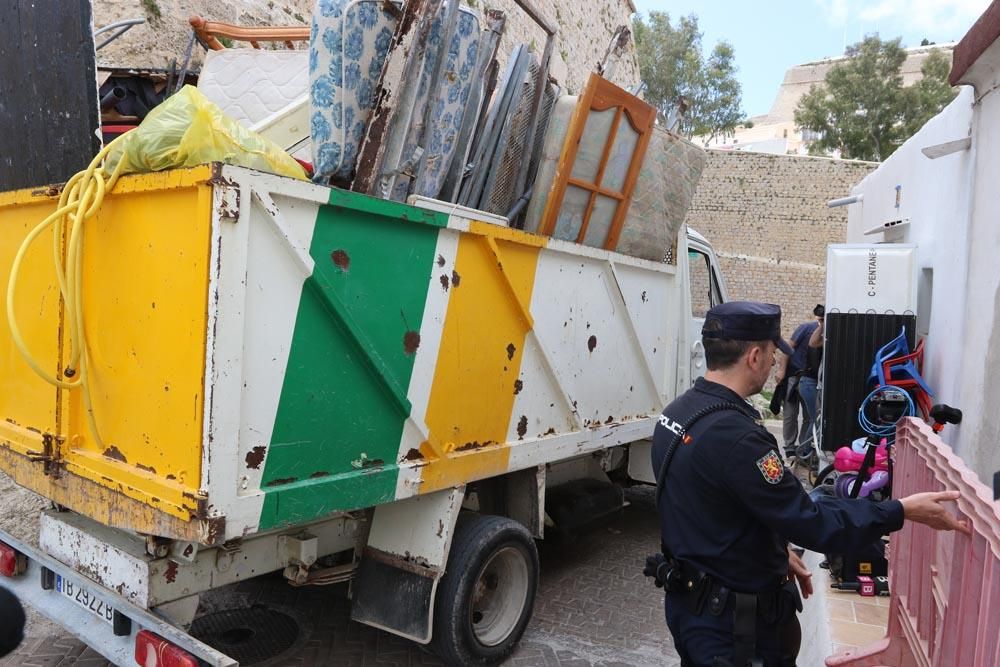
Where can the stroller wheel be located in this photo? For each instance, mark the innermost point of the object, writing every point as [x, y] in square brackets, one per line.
[826, 476]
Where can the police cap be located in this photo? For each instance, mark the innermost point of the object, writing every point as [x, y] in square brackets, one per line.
[745, 320]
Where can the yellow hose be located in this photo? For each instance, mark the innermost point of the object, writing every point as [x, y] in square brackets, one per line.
[80, 200]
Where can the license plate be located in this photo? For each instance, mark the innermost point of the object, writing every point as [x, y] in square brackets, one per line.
[82, 597]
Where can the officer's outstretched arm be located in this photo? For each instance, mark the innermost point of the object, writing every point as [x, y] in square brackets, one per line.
[928, 508]
[770, 492]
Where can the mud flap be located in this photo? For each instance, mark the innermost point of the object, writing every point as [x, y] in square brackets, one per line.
[394, 595]
[405, 558]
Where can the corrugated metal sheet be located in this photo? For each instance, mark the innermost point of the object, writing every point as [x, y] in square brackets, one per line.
[48, 91]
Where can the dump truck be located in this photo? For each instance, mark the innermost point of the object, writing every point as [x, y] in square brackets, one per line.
[291, 377]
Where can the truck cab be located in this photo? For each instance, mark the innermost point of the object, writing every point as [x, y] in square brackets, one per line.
[707, 287]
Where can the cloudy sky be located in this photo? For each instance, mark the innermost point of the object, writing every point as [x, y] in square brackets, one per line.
[771, 36]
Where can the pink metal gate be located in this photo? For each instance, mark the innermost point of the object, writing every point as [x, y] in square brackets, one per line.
[945, 607]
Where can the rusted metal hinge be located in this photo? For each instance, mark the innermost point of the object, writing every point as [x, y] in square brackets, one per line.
[49, 456]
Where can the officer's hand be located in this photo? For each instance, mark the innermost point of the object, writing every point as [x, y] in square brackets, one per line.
[798, 569]
[652, 568]
[928, 509]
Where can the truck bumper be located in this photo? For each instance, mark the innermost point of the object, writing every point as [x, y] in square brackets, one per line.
[35, 587]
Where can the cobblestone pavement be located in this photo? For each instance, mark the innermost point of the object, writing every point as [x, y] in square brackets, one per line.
[594, 608]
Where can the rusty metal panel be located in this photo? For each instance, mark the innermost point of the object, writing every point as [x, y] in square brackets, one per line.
[48, 91]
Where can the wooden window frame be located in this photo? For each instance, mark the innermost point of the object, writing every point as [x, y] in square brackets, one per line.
[600, 95]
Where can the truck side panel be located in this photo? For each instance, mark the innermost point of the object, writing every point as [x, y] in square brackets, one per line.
[343, 398]
[145, 268]
[27, 402]
[266, 352]
[426, 348]
[144, 305]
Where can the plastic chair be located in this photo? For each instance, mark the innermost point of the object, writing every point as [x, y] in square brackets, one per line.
[897, 347]
[906, 369]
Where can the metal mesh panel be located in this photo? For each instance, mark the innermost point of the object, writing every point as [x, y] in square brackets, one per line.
[500, 191]
[548, 102]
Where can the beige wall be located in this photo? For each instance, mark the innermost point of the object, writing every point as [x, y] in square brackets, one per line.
[163, 40]
[766, 217]
[584, 32]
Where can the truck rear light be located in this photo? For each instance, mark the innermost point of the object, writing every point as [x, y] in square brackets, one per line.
[12, 561]
[155, 651]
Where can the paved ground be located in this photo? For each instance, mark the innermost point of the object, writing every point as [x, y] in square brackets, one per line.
[594, 608]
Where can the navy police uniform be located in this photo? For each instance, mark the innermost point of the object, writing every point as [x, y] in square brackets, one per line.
[728, 508]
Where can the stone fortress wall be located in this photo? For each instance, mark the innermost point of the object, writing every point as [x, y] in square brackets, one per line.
[766, 217]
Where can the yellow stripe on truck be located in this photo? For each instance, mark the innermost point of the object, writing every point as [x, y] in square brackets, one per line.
[480, 355]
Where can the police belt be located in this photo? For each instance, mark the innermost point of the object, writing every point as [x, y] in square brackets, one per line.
[700, 592]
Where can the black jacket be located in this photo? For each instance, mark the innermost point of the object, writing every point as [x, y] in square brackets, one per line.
[729, 506]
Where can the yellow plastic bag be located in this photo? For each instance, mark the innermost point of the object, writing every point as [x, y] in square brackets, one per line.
[187, 130]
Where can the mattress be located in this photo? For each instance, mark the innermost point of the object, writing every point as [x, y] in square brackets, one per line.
[348, 46]
[429, 150]
[662, 196]
[555, 136]
[251, 84]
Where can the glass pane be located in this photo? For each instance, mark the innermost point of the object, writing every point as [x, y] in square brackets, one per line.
[571, 214]
[626, 140]
[701, 283]
[596, 133]
[600, 222]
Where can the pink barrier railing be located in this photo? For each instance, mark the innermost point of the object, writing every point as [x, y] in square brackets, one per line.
[945, 605]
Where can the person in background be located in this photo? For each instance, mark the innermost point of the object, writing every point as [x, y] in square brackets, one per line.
[809, 379]
[790, 368]
[11, 622]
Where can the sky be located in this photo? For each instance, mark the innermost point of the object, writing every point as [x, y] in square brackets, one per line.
[770, 36]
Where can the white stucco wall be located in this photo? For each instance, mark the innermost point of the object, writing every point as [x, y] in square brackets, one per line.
[952, 205]
[980, 371]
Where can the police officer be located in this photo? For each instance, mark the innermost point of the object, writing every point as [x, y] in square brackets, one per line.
[728, 507]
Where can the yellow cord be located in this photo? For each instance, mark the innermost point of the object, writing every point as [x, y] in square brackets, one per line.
[80, 200]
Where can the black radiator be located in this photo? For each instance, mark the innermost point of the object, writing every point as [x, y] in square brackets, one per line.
[852, 339]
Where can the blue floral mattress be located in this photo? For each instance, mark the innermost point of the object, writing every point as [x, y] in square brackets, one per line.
[348, 46]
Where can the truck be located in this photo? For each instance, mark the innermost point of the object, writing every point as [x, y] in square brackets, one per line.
[232, 373]
[292, 377]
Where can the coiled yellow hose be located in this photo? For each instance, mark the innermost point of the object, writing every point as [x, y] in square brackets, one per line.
[80, 200]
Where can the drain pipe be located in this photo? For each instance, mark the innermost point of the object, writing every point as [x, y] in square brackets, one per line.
[845, 201]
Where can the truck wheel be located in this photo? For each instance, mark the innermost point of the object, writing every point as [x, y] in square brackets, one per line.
[486, 596]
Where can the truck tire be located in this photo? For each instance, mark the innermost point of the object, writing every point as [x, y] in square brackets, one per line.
[485, 598]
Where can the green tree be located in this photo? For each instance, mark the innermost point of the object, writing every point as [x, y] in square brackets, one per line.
[930, 94]
[862, 108]
[716, 110]
[672, 65]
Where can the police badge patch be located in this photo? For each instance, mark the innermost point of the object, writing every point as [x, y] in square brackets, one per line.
[771, 468]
